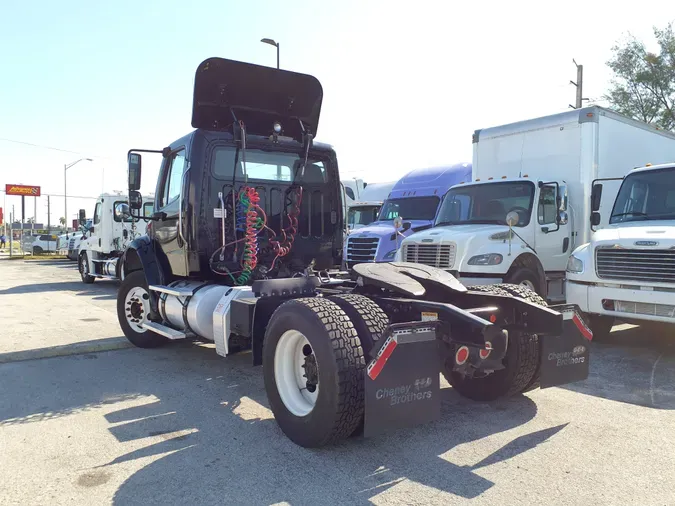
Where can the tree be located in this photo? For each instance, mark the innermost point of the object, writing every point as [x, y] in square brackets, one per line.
[62, 221]
[643, 86]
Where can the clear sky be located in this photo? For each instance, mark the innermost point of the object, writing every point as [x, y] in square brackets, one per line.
[405, 83]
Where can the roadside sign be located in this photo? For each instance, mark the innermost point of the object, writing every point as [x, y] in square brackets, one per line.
[22, 190]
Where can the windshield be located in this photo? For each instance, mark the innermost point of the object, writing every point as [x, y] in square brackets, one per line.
[412, 208]
[646, 196]
[364, 215]
[487, 203]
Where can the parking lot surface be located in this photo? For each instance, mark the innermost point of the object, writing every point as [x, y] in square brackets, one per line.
[181, 425]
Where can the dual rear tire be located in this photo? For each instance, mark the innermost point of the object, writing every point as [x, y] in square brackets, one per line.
[314, 364]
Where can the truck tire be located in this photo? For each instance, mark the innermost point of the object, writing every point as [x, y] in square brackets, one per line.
[83, 267]
[313, 368]
[520, 365]
[601, 326]
[525, 277]
[37, 250]
[133, 306]
[369, 320]
[525, 293]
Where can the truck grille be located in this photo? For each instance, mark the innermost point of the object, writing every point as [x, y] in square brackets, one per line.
[434, 255]
[636, 264]
[361, 249]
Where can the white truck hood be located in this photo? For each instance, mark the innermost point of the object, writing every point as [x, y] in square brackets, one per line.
[466, 241]
[643, 234]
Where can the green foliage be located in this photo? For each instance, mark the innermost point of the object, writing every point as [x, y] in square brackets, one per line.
[643, 86]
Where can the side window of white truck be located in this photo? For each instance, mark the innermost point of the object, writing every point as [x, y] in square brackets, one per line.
[97, 213]
[547, 209]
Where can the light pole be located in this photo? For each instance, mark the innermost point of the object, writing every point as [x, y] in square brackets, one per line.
[65, 189]
[272, 43]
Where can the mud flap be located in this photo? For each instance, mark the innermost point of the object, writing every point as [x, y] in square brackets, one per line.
[565, 358]
[403, 380]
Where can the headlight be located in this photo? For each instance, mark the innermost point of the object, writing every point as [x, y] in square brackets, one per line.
[488, 259]
[390, 255]
[575, 265]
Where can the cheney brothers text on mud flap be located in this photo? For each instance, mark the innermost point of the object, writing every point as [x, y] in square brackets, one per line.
[403, 380]
[565, 358]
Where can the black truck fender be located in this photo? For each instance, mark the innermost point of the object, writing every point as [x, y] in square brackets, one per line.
[141, 255]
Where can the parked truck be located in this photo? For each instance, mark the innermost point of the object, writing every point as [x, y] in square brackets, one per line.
[105, 239]
[414, 200]
[244, 248]
[627, 270]
[529, 205]
[366, 210]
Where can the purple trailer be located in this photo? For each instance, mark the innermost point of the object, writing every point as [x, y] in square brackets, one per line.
[416, 198]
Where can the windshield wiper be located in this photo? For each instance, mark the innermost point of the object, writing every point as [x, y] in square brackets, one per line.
[629, 213]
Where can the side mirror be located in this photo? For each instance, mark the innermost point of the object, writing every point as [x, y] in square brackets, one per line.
[135, 199]
[596, 196]
[122, 212]
[82, 217]
[562, 218]
[398, 222]
[595, 218]
[512, 218]
[134, 172]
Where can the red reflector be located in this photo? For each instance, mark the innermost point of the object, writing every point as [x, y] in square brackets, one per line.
[486, 352]
[462, 355]
[493, 318]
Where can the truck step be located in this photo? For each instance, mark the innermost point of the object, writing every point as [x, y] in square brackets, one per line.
[176, 292]
[104, 261]
[164, 331]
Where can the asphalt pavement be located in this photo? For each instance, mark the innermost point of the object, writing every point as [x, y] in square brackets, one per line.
[181, 425]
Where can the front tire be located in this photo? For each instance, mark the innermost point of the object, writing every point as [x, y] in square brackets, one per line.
[526, 277]
[83, 266]
[313, 367]
[133, 308]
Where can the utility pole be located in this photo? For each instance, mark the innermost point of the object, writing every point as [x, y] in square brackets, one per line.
[49, 223]
[579, 85]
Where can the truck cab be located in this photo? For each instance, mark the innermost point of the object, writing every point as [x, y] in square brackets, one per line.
[111, 230]
[366, 210]
[627, 270]
[415, 200]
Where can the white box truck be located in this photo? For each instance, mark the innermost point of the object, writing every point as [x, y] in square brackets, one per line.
[539, 173]
[110, 232]
[627, 270]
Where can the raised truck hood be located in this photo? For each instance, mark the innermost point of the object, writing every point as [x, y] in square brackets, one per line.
[256, 95]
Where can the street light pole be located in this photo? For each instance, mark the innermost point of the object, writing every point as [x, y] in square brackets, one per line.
[271, 42]
[65, 189]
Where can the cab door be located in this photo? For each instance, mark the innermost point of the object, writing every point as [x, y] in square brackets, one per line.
[552, 236]
[167, 231]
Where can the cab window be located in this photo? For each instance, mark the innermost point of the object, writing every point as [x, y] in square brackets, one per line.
[97, 213]
[173, 178]
[547, 209]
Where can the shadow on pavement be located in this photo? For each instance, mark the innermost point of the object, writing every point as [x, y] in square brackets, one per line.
[634, 365]
[208, 420]
[105, 291]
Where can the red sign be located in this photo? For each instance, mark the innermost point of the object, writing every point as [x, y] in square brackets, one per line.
[23, 190]
[76, 224]
[2, 217]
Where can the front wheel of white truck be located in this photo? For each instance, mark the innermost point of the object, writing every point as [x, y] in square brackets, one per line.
[133, 309]
[313, 367]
